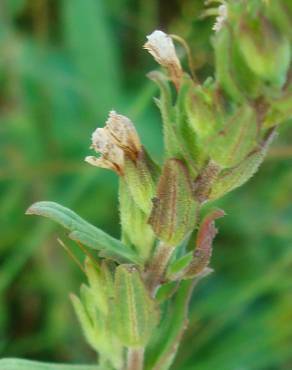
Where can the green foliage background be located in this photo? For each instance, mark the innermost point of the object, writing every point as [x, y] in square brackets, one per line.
[63, 65]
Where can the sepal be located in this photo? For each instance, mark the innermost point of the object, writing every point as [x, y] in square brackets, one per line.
[140, 176]
[134, 311]
[174, 211]
[136, 231]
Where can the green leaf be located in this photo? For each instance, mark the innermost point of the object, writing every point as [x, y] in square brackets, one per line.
[180, 264]
[83, 231]
[236, 139]
[224, 65]
[232, 178]
[85, 322]
[167, 111]
[166, 291]
[191, 151]
[266, 50]
[17, 364]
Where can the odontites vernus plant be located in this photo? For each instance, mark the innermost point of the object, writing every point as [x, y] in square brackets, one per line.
[134, 307]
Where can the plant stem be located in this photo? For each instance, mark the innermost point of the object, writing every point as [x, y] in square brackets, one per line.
[178, 325]
[135, 359]
[156, 270]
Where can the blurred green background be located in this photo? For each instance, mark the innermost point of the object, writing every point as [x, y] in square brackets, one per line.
[63, 65]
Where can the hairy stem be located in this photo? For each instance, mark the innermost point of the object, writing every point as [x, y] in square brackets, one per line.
[178, 325]
[135, 359]
[156, 270]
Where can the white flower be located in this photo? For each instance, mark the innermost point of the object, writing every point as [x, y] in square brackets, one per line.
[221, 18]
[116, 139]
[161, 47]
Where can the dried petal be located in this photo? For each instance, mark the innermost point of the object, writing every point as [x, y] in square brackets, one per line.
[113, 141]
[124, 133]
[100, 140]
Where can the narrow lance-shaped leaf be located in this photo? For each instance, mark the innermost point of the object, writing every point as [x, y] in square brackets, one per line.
[164, 344]
[232, 178]
[224, 65]
[18, 364]
[85, 321]
[97, 285]
[81, 230]
[134, 310]
[178, 266]
[167, 111]
[99, 335]
[174, 209]
[203, 251]
[193, 156]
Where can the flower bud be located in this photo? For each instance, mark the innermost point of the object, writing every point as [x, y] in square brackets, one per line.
[174, 211]
[161, 47]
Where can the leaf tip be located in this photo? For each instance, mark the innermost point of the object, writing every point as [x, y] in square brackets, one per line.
[30, 210]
